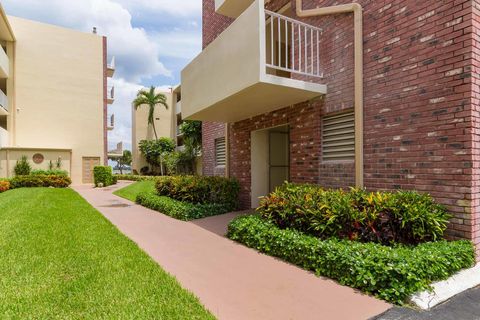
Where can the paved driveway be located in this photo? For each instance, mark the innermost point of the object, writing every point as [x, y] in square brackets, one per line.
[465, 306]
[232, 281]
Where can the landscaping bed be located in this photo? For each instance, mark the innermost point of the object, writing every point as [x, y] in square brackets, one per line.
[180, 210]
[388, 244]
[37, 180]
[61, 259]
[185, 197]
[390, 273]
[134, 177]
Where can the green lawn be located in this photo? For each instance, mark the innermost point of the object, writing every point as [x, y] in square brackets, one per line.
[130, 192]
[61, 259]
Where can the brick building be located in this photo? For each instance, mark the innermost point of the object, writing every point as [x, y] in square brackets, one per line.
[306, 117]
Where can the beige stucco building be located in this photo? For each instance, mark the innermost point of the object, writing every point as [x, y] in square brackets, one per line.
[165, 124]
[54, 97]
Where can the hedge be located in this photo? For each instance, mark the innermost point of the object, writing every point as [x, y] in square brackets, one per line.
[53, 172]
[40, 181]
[385, 217]
[200, 190]
[390, 273]
[103, 176]
[134, 177]
[177, 209]
[4, 185]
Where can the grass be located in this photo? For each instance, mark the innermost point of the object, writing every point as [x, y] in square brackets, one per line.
[61, 259]
[130, 192]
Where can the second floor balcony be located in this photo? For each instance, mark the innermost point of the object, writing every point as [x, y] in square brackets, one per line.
[110, 94]
[111, 123]
[111, 67]
[3, 103]
[263, 61]
[4, 64]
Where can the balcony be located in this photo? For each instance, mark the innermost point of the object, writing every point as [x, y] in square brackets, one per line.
[4, 138]
[262, 62]
[178, 107]
[110, 94]
[232, 8]
[4, 64]
[3, 103]
[111, 68]
[111, 123]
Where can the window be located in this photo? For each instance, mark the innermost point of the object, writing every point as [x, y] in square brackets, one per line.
[220, 152]
[338, 137]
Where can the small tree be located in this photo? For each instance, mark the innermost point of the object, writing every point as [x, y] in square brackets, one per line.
[22, 167]
[124, 161]
[153, 151]
[192, 137]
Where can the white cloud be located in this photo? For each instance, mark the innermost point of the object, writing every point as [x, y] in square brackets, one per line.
[174, 7]
[140, 51]
[183, 44]
[137, 55]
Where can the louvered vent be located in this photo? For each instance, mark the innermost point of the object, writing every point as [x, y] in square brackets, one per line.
[338, 137]
[220, 153]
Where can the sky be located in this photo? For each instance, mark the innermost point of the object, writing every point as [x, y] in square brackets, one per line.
[152, 40]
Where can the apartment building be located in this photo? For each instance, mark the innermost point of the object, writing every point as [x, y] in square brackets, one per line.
[54, 97]
[165, 125]
[375, 94]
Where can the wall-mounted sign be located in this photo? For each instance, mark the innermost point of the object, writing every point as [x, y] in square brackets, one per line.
[38, 158]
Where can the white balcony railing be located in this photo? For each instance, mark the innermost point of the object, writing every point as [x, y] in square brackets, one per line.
[110, 94]
[111, 65]
[111, 124]
[277, 64]
[4, 64]
[178, 107]
[3, 101]
[292, 46]
[4, 137]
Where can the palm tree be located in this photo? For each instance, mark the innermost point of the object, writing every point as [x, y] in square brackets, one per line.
[152, 100]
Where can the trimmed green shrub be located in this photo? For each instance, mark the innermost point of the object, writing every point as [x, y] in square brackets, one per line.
[39, 181]
[200, 190]
[22, 167]
[132, 177]
[52, 172]
[390, 273]
[383, 217]
[102, 175]
[177, 209]
[4, 185]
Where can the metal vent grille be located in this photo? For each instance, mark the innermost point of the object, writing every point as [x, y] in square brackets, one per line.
[220, 152]
[338, 137]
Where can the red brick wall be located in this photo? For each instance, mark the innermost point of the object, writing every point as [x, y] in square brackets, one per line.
[213, 25]
[422, 108]
[210, 132]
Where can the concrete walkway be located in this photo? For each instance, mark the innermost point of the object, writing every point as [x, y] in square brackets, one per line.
[232, 281]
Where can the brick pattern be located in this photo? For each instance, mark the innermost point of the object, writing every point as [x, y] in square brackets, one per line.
[305, 148]
[422, 103]
[211, 131]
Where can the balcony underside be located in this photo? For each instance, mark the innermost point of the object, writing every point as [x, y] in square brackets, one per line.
[272, 93]
[110, 72]
[3, 111]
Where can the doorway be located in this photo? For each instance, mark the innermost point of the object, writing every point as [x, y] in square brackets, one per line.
[270, 161]
[88, 163]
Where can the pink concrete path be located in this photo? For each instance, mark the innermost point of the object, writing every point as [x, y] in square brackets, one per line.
[232, 281]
